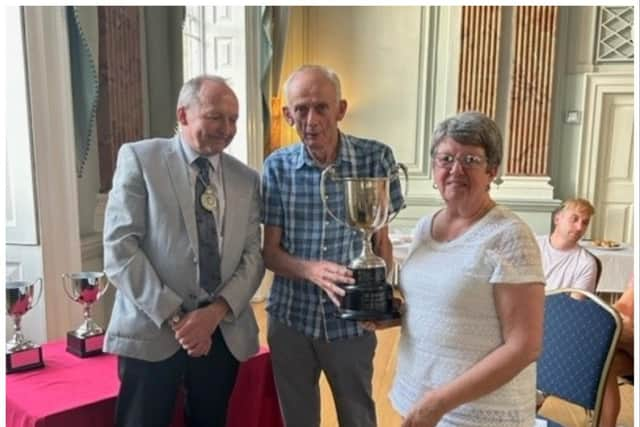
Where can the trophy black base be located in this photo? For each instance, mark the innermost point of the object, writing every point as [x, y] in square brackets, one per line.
[86, 346]
[24, 360]
[370, 298]
[368, 315]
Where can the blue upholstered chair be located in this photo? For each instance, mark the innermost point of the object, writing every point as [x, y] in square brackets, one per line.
[580, 338]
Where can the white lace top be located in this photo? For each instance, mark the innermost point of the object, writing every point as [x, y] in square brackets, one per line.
[451, 321]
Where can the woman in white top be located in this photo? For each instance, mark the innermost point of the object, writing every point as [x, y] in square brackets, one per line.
[474, 295]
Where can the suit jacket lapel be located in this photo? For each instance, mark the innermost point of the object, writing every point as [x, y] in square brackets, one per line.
[179, 175]
[229, 177]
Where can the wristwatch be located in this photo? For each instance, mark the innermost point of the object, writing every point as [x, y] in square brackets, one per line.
[175, 318]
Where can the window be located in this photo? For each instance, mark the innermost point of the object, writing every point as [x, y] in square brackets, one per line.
[217, 40]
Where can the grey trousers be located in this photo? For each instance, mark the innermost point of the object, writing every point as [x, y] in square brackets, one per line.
[348, 365]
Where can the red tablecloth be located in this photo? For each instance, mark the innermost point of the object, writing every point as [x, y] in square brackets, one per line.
[71, 391]
[254, 401]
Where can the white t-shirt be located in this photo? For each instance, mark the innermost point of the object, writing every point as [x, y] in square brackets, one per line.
[451, 320]
[574, 268]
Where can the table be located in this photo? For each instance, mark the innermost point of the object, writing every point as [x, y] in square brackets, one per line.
[71, 391]
[617, 266]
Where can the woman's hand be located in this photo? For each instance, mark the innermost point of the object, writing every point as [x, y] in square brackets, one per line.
[426, 413]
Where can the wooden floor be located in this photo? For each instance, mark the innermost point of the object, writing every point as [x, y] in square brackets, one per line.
[384, 366]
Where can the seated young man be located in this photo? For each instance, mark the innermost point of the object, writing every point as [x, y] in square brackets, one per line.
[566, 264]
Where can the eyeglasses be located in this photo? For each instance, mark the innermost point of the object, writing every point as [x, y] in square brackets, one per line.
[467, 161]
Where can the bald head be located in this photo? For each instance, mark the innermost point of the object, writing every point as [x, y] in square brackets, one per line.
[207, 113]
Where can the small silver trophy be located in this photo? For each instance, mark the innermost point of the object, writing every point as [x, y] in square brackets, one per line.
[22, 354]
[85, 288]
[367, 210]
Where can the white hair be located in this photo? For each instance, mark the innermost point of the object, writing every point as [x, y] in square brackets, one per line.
[190, 91]
[327, 72]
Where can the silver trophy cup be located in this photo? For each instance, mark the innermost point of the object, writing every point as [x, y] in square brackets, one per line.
[22, 354]
[367, 207]
[85, 288]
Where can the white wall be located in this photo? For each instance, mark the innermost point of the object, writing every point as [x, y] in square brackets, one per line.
[397, 78]
[399, 68]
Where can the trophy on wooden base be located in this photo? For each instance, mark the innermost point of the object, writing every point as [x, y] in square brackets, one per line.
[85, 288]
[367, 210]
[22, 354]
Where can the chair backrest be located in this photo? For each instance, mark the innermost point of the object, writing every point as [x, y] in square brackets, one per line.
[580, 337]
[598, 267]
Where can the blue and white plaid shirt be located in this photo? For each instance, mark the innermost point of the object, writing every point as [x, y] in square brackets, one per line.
[291, 201]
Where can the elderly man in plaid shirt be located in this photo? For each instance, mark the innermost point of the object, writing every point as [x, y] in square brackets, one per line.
[308, 252]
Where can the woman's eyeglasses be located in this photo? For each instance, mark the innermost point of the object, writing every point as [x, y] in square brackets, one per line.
[467, 161]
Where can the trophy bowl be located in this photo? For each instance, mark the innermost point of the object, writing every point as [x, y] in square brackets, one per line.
[21, 353]
[85, 288]
[367, 205]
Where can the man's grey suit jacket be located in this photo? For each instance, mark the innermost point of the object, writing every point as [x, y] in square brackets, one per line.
[151, 250]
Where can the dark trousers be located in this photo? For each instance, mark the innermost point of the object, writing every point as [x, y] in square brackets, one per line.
[297, 362]
[148, 390]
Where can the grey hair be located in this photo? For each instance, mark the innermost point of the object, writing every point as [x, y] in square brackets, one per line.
[471, 128]
[327, 72]
[190, 92]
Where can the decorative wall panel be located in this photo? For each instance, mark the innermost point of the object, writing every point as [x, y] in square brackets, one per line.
[615, 34]
[531, 89]
[479, 56]
[120, 108]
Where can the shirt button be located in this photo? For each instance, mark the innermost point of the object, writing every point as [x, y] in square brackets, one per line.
[195, 259]
[324, 248]
[326, 223]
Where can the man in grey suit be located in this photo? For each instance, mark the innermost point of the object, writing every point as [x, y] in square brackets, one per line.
[182, 247]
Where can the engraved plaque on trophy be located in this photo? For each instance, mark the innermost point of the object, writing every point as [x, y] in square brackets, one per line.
[22, 354]
[85, 288]
[367, 207]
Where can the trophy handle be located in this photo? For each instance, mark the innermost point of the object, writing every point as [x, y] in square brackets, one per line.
[65, 280]
[394, 174]
[104, 289]
[37, 299]
[328, 171]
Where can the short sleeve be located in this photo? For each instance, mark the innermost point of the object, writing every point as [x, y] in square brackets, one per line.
[515, 256]
[419, 233]
[388, 161]
[587, 277]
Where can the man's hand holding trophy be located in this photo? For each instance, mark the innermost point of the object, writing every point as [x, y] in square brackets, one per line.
[367, 209]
